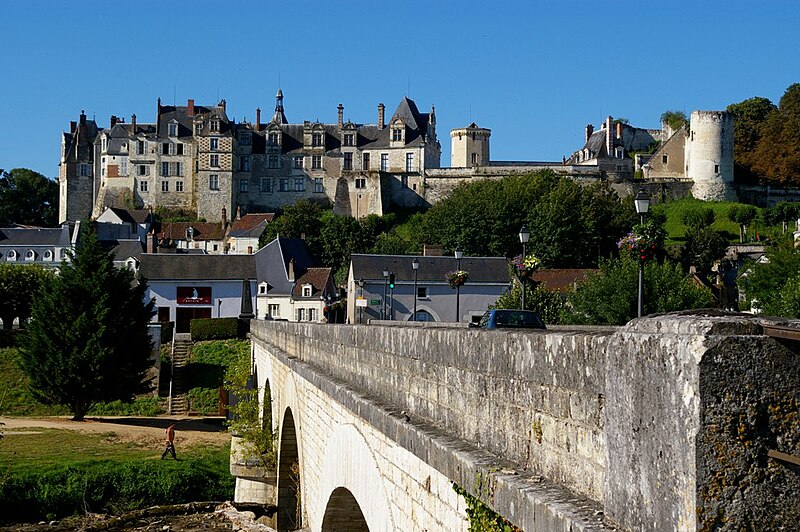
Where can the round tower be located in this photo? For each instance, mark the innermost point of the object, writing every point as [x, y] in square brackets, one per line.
[470, 146]
[709, 155]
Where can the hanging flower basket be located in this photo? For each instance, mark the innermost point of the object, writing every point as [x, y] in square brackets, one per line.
[456, 278]
[638, 247]
[524, 267]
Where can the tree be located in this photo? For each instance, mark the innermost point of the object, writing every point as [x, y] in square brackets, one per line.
[777, 156]
[749, 117]
[762, 281]
[610, 296]
[27, 198]
[704, 246]
[674, 119]
[782, 213]
[87, 340]
[698, 218]
[785, 302]
[18, 284]
[742, 215]
[547, 303]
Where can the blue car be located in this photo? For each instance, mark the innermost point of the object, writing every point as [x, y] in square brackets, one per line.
[510, 319]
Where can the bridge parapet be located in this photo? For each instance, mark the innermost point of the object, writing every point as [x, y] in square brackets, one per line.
[658, 423]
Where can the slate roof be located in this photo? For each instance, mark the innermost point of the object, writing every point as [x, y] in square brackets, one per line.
[318, 279]
[431, 269]
[160, 267]
[272, 263]
[202, 231]
[35, 236]
[128, 248]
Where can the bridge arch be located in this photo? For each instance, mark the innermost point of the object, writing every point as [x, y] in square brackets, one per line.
[343, 513]
[290, 514]
[351, 477]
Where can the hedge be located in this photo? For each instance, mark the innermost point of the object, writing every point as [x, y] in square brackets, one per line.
[166, 331]
[217, 329]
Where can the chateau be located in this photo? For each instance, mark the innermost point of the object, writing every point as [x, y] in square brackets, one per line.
[196, 158]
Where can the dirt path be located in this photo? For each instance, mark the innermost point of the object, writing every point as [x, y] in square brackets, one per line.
[188, 430]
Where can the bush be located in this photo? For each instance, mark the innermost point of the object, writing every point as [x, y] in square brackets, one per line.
[112, 486]
[142, 406]
[166, 331]
[204, 400]
[10, 337]
[214, 329]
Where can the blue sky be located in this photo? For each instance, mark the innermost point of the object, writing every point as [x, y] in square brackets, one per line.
[534, 72]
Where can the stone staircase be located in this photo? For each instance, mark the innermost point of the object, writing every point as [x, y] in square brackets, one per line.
[180, 358]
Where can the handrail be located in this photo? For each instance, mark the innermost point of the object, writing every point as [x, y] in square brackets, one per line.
[171, 372]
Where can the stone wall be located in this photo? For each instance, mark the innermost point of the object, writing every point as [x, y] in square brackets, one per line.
[665, 422]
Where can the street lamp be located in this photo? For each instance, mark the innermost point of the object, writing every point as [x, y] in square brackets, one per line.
[458, 255]
[642, 203]
[524, 236]
[385, 286]
[415, 267]
[360, 284]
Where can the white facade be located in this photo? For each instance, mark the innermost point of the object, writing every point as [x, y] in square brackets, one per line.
[709, 155]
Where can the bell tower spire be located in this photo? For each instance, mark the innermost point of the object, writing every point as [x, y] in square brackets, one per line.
[279, 117]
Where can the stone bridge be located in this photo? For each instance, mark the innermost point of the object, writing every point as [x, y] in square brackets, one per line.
[673, 422]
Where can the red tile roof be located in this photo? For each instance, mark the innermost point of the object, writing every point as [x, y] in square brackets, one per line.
[249, 221]
[202, 231]
[316, 277]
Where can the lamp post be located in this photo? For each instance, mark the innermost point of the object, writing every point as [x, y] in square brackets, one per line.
[458, 255]
[385, 286]
[642, 203]
[415, 267]
[360, 283]
[524, 236]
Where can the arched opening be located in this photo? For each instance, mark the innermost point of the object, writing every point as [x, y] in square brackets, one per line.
[289, 511]
[266, 411]
[343, 513]
[424, 315]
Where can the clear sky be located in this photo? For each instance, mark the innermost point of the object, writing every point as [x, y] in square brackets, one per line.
[533, 72]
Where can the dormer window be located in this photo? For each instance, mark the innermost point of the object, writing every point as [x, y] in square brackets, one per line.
[348, 140]
[397, 134]
[189, 233]
[30, 255]
[213, 125]
[306, 290]
[12, 255]
[274, 139]
[173, 129]
[619, 152]
[48, 255]
[316, 139]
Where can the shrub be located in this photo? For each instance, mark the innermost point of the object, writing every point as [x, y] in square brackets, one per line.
[142, 406]
[204, 400]
[166, 331]
[214, 329]
[10, 337]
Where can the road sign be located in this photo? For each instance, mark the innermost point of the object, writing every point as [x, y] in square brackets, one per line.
[375, 302]
[361, 302]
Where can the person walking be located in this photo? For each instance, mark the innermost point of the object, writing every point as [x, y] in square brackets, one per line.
[169, 435]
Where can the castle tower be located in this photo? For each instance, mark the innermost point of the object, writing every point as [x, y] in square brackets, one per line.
[470, 146]
[76, 171]
[709, 155]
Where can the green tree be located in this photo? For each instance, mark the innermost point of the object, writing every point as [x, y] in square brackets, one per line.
[610, 296]
[547, 303]
[698, 218]
[785, 302]
[18, 284]
[87, 340]
[27, 198]
[674, 119]
[749, 117]
[742, 215]
[777, 156]
[704, 246]
[782, 213]
[762, 281]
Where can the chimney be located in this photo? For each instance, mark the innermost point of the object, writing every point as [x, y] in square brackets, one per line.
[73, 125]
[238, 212]
[381, 109]
[609, 136]
[258, 118]
[619, 130]
[589, 131]
[151, 242]
[290, 273]
[341, 115]
[113, 121]
[83, 117]
[563, 160]
[133, 124]
[224, 218]
[190, 107]
[223, 104]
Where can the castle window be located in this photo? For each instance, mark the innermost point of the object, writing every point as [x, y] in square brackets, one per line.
[299, 184]
[245, 138]
[397, 134]
[173, 130]
[178, 168]
[316, 162]
[409, 162]
[316, 139]
[384, 162]
[273, 139]
[164, 168]
[178, 186]
[664, 159]
[298, 161]
[140, 147]
[474, 158]
[165, 186]
[348, 161]
[619, 153]
[244, 185]
[716, 168]
[348, 139]
[318, 188]
[144, 169]
[365, 162]
[361, 182]
[84, 170]
[213, 125]
[265, 185]
[213, 160]
[142, 186]
[214, 144]
[179, 149]
[245, 163]
[274, 162]
[213, 182]
[283, 184]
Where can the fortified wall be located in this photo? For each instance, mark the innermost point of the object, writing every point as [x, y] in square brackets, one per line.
[670, 422]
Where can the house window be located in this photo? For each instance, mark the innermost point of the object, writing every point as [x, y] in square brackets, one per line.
[262, 289]
[179, 149]
[178, 186]
[664, 159]
[143, 169]
[298, 161]
[312, 314]
[273, 139]
[299, 184]
[307, 291]
[316, 162]
[213, 182]
[274, 162]
[283, 184]
[348, 139]
[123, 167]
[361, 182]
[422, 292]
[245, 163]
[409, 162]
[318, 185]
[142, 186]
[173, 130]
[397, 134]
[348, 161]
[244, 185]
[214, 144]
[245, 138]
[213, 160]
[84, 169]
[178, 168]
[165, 186]
[316, 139]
[265, 185]
[365, 162]
[213, 125]
[140, 148]
[274, 310]
[166, 148]
[164, 168]
[384, 162]
[301, 314]
[716, 168]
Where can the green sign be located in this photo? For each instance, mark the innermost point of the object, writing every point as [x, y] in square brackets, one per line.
[375, 302]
